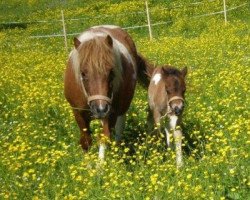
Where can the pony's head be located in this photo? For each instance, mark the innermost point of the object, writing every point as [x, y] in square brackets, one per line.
[94, 68]
[175, 87]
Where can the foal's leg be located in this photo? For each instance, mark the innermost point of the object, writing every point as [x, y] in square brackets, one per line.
[177, 139]
[83, 124]
[178, 147]
[157, 120]
[150, 120]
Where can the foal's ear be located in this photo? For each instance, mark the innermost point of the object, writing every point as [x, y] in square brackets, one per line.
[109, 40]
[76, 42]
[184, 72]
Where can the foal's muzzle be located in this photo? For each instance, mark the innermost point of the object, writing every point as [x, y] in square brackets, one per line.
[99, 106]
[176, 104]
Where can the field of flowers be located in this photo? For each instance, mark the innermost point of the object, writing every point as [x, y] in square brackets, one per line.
[39, 153]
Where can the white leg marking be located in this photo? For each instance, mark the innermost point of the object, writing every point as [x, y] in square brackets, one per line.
[177, 140]
[178, 147]
[102, 148]
[173, 121]
[119, 127]
[156, 78]
[167, 137]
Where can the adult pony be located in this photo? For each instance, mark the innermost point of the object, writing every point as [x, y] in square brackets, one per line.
[166, 98]
[100, 80]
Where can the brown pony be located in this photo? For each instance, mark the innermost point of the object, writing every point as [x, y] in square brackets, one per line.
[100, 80]
[166, 98]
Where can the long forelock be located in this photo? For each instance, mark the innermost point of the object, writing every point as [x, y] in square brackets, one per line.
[96, 56]
[74, 57]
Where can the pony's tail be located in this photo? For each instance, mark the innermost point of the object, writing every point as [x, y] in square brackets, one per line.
[145, 70]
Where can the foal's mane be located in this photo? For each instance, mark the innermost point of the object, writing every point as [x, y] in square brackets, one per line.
[170, 70]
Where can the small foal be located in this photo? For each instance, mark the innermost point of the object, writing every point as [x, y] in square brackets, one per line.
[166, 98]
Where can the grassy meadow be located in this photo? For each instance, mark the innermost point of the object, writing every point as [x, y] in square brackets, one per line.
[40, 157]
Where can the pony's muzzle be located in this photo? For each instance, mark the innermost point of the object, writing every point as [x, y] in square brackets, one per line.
[99, 105]
[100, 108]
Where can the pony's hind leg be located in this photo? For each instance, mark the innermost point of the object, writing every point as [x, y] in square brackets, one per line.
[83, 124]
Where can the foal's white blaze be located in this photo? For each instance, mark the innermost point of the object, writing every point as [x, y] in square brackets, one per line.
[102, 151]
[157, 78]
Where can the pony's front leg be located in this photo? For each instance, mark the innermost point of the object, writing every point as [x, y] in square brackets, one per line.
[83, 124]
[103, 141]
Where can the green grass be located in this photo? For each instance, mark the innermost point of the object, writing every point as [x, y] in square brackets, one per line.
[40, 157]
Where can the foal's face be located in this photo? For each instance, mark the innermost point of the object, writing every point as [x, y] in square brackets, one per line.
[175, 87]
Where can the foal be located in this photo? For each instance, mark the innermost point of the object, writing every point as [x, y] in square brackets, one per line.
[166, 98]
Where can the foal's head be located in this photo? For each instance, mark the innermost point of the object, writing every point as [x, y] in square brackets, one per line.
[96, 68]
[175, 87]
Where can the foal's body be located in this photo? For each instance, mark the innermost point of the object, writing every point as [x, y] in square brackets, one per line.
[166, 99]
[100, 80]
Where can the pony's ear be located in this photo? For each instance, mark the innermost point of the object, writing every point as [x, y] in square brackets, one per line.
[109, 40]
[184, 72]
[76, 42]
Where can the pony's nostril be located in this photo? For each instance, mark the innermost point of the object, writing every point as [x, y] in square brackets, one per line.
[102, 109]
[106, 108]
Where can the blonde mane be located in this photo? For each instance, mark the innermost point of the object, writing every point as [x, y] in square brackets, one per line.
[96, 54]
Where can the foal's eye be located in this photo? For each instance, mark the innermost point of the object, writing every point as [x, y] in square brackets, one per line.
[167, 90]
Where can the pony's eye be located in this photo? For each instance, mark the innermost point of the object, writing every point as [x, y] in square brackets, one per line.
[83, 76]
[111, 76]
